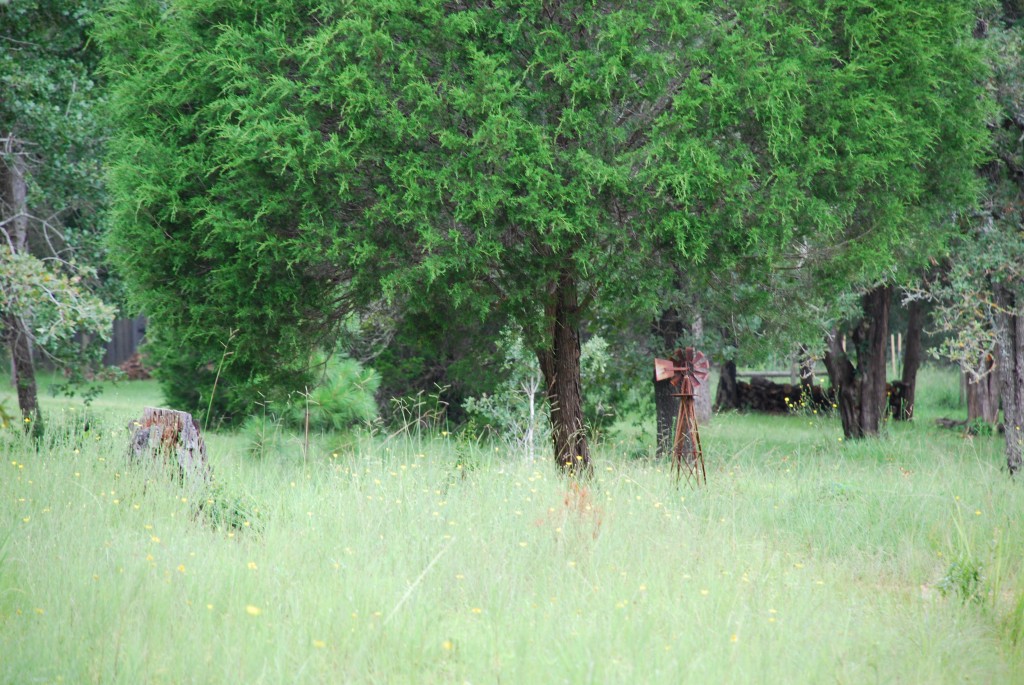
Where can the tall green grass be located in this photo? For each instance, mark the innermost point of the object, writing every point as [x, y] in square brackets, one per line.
[419, 557]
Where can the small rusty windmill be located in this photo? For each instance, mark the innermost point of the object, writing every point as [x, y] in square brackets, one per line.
[688, 370]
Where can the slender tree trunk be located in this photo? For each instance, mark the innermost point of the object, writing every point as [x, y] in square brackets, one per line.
[561, 367]
[702, 394]
[860, 391]
[871, 338]
[806, 368]
[668, 327]
[983, 393]
[845, 384]
[17, 335]
[666, 408]
[1011, 357]
[911, 361]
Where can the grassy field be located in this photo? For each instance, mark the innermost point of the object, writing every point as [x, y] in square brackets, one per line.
[428, 558]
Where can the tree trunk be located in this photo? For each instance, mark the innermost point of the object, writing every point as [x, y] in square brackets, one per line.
[870, 338]
[911, 361]
[17, 335]
[702, 393]
[666, 408]
[983, 393]
[561, 367]
[845, 385]
[1011, 357]
[860, 391]
[669, 328]
[806, 368]
[24, 377]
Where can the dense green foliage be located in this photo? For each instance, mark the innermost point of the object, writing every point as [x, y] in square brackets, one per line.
[279, 162]
[50, 103]
[51, 193]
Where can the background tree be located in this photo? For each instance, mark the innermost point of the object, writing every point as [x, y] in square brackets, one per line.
[50, 153]
[279, 162]
[980, 296]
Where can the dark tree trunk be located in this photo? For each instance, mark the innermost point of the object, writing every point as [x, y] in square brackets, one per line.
[1011, 357]
[561, 367]
[911, 362]
[871, 337]
[666, 407]
[16, 333]
[20, 346]
[669, 328]
[845, 385]
[727, 396]
[983, 393]
[860, 391]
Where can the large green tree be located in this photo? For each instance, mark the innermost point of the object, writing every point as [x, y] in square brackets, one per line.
[50, 189]
[278, 162]
[980, 294]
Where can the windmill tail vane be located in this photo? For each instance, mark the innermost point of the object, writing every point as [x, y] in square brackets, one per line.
[688, 371]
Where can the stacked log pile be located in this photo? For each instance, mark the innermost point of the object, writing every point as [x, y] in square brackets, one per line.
[761, 394]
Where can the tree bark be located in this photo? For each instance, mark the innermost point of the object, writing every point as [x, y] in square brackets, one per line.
[17, 335]
[845, 385]
[983, 393]
[702, 393]
[870, 338]
[669, 328]
[1011, 357]
[860, 390]
[666, 408]
[911, 361]
[561, 367]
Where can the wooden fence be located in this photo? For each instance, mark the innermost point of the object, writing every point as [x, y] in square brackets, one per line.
[127, 336]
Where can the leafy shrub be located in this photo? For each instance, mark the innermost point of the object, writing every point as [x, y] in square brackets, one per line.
[226, 509]
[963, 579]
[344, 397]
[264, 435]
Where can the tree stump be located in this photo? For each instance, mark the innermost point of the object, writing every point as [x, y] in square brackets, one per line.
[163, 435]
[727, 396]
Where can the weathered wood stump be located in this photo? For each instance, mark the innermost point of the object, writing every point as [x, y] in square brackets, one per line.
[171, 440]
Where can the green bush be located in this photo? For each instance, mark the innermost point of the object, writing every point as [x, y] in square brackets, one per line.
[343, 397]
[228, 509]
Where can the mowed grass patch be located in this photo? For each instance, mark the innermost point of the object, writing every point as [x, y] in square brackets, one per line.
[435, 559]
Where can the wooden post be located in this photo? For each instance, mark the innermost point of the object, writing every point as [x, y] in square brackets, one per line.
[892, 351]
